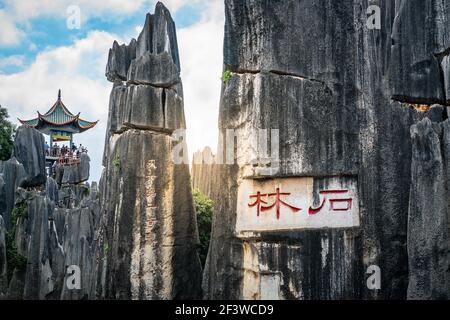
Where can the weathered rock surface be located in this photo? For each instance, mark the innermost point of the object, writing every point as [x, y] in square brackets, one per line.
[147, 243]
[420, 41]
[145, 107]
[158, 70]
[29, 151]
[151, 231]
[31, 236]
[79, 247]
[204, 173]
[74, 174]
[2, 193]
[119, 60]
[159, 35]
[13, 174]
[49, 227]
[50, 239]
[3, 265]
[332, 104]
[428, 220]
[51, 190]
[445, 64]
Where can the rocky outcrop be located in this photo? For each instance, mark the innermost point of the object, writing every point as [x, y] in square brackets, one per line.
[428, 220]
[29, 151]
[3, 265]
[48, 240]
[204, 172]
[158, 70]
[79, 247]
[420, 49]
[45, 228]
[73, 174]
[338, 130]
[446, 72]
[2, 193]
[13, 174]
[119, 60]
[150, 108]
[147, 241]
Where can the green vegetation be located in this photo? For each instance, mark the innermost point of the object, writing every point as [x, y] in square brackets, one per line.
[14, 259]
[7, 130]
[116, 162]
[204, 208]
[226, 77]
[105, 248]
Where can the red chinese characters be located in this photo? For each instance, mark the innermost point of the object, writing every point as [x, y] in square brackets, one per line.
[336, 204]
[276, 204]
[338, 200]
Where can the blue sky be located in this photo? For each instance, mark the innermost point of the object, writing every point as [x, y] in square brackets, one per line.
[50, 31]
[39, 54]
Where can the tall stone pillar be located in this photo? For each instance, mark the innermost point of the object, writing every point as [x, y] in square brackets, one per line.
[149, 235]
[318, 207]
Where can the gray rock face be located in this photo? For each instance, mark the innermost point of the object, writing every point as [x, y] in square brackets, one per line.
[251, 44]
[2, 194]
[420, 43]
[145, 107]
[3, 265]
[332, 105]
[428, 220]
[52, 227]
[29, 151]
[159, 35]
[151, 60]
[32, 236]
[73, 174]
[151, 233]
[157, 70]
[51, 190]
[446, 72]
[204, 171]
[146, 246]
[119, 60]
[13, 176]
[79, 248]
[50, 239]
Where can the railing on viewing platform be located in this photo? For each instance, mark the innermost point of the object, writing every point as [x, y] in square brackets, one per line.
[65, 156]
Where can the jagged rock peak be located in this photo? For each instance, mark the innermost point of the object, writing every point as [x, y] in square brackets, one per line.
[159, 34]
[156, 52]
[29, 151]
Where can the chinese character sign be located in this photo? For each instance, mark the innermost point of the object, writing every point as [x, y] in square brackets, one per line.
[296, 204]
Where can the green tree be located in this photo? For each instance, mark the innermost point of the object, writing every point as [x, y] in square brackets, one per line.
[204, 208]
[6, 135]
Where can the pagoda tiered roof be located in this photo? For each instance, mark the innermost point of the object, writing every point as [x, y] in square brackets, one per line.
[59, 118]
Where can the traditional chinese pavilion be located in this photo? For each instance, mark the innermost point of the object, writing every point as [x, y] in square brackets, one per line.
[59, 123]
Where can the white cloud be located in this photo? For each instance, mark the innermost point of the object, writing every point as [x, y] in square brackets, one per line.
[201, 54]
[26, 9]
[9, 33]
[12, 61]
[78, 70]
[16, 14]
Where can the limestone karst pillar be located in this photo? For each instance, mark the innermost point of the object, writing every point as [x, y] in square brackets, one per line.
[149, 235]
[331, 208]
